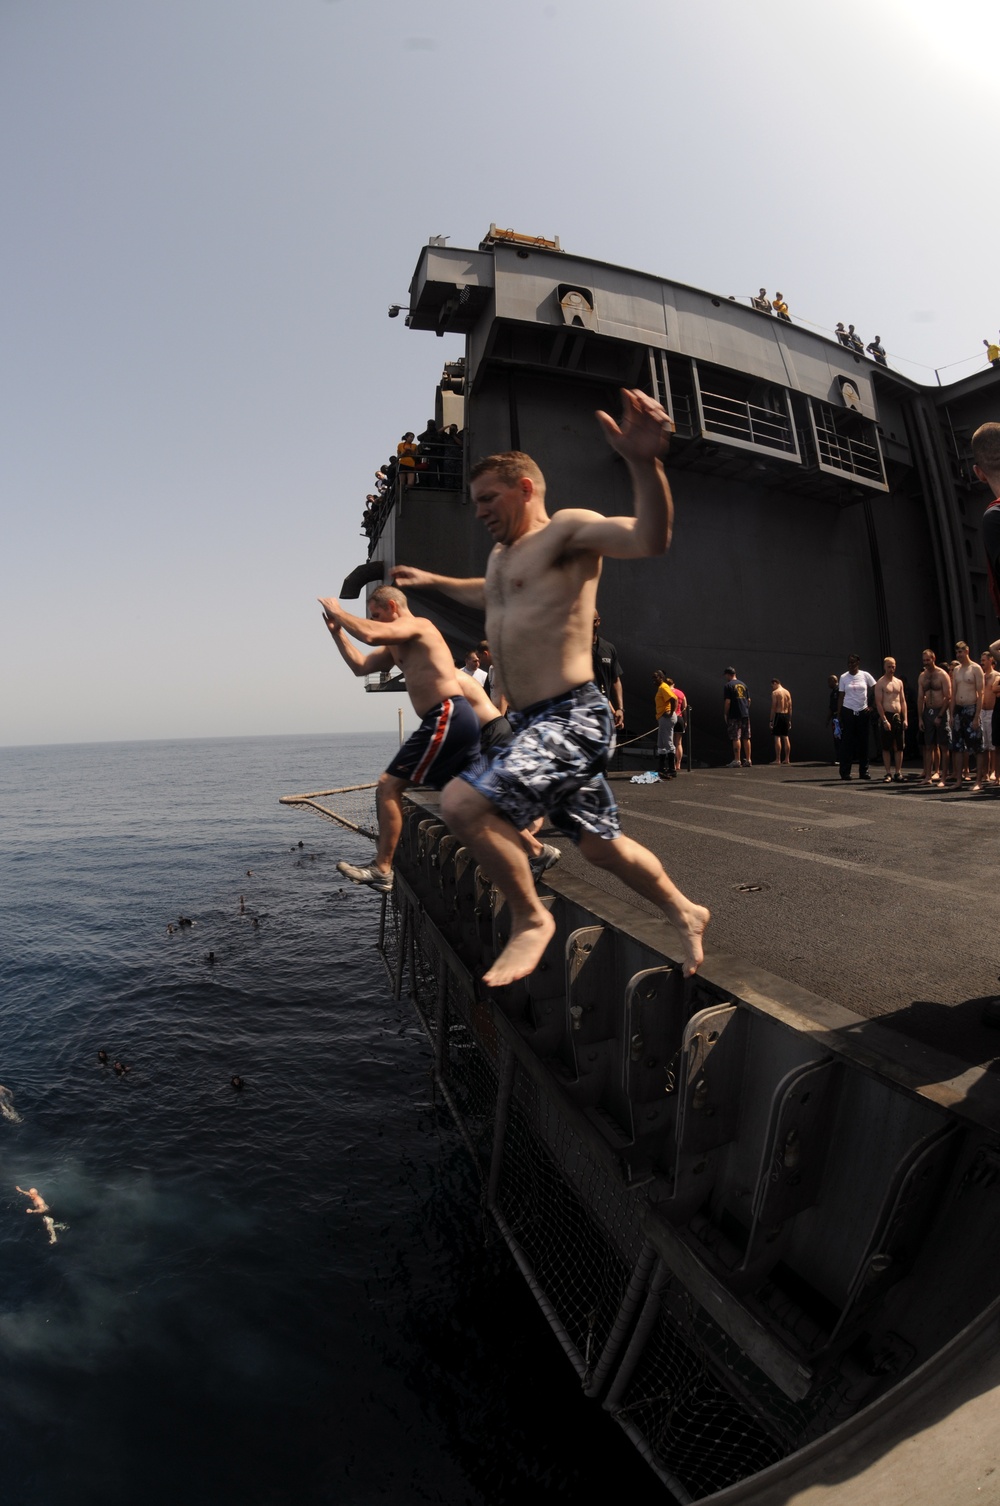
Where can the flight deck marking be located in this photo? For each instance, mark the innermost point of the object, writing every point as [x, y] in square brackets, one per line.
[866, 870]
[804, 810]
[837, 822]
[951, 807]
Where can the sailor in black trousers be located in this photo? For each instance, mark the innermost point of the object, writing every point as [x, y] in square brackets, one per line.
[852, 708]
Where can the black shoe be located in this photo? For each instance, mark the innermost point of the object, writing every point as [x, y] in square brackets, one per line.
[845, 776]
[864, 776]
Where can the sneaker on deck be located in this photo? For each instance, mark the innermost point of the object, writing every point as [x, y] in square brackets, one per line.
[373, 877]
[734, 765]
[545, 859]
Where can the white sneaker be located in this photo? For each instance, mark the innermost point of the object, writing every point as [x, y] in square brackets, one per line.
[734, 765]
[547, 858]
[372, 876]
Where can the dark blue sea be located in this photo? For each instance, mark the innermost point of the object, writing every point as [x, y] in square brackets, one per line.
[277, 1295]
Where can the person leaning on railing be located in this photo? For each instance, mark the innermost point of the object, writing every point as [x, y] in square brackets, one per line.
[406, 455]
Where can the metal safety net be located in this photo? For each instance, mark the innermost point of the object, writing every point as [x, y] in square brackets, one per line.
[632, 1333]
[352, 806]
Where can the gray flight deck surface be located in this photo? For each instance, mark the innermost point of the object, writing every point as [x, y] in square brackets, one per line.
[881, 898]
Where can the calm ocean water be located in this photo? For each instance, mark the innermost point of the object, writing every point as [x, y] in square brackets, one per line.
[279, 1295]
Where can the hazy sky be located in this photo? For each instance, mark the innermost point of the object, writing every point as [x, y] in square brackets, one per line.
[210, 204]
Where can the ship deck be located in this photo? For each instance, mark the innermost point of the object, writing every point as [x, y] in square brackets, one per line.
[880, 898]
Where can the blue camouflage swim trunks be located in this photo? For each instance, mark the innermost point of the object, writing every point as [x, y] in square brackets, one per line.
[966, 735]
[555, 766]
[444, 743]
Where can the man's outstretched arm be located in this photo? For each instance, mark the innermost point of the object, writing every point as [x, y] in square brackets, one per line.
[471, 592]
[356, 661]
[642, 439]
[365, 628]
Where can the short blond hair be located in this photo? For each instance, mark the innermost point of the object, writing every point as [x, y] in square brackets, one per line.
[511, 466]
[986, 447]
[382, 595]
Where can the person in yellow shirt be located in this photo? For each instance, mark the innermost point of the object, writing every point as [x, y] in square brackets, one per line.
[992, 352]
[407, 451]
[666, 720]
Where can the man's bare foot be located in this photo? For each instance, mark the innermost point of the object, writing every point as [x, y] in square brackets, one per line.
[690, 921]
[522, 953]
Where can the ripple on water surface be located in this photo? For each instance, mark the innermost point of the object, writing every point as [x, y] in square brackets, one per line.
[270, 1295]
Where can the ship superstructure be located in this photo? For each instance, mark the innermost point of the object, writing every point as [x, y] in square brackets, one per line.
[824, 503]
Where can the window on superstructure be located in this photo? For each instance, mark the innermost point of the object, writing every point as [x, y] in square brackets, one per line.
[847, 444]
[742, 410]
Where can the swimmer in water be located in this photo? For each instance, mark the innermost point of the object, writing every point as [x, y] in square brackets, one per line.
[170, 929]
[256, 923]
[120, 1068]
[102, 1057]
[41, 1206]
[7, 1108]
[242, 906]
[237, 1083]
[51, 1226]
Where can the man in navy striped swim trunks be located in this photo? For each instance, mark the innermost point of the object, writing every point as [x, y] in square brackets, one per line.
[540, 594]
[447, 739]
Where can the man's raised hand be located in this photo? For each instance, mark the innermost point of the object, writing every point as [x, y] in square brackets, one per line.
[645, 429]
[406, 576]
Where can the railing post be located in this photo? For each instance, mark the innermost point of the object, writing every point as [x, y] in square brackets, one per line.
[404, 921]
[413, 958]
[440, 1020]
[634, 1293]
[504, 1090]
[643, 1329]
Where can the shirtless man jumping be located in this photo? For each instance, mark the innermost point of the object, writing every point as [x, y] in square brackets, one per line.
[933, 700]
[540, 589]
[966, 706]
[890, 703]
[448, 736]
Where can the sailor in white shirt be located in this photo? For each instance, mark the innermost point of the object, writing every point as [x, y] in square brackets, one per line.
[852, 709]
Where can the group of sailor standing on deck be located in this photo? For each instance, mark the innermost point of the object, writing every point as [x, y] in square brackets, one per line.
[957, 703]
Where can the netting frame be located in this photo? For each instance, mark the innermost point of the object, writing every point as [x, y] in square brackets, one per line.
[447, 1003]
